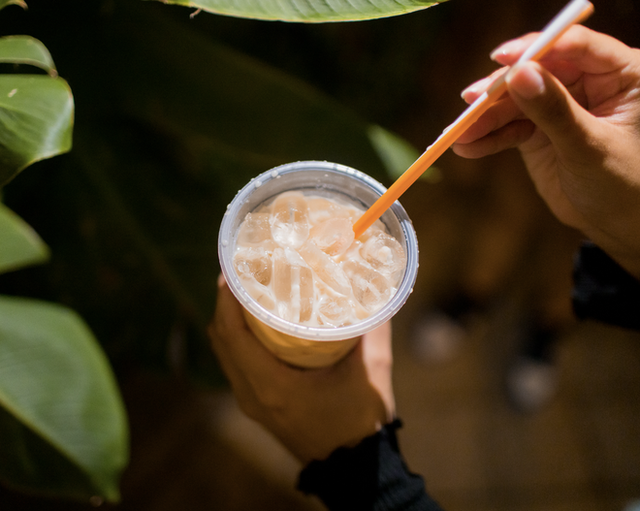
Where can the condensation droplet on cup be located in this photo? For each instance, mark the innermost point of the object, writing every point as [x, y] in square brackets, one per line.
[274, 173]
[257, 183]
[225, 243]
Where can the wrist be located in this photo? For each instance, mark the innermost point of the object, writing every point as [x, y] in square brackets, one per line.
[371, 475]
[627, 258]
[318, 447]
[630, 264]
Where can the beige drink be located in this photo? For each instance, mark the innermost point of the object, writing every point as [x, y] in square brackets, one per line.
[287, 252]
[298, 258]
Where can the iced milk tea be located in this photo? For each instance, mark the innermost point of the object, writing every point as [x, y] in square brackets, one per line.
[308, 290]
[297, 257]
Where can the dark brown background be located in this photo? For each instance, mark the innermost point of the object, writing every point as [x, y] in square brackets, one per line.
[481, 228]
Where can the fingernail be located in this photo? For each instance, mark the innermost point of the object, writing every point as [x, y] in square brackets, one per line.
[221, 280]
[505, 50]
[475, 87]
[525, 80]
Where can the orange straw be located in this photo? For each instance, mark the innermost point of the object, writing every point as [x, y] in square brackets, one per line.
[574, 12]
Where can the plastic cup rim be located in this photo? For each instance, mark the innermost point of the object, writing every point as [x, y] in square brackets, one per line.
[318, 333]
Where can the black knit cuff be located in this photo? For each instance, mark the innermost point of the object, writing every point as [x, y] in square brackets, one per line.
[369, 477]
[603, 290]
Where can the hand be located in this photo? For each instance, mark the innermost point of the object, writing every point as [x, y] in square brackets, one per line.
[312, 412]
[575, 117]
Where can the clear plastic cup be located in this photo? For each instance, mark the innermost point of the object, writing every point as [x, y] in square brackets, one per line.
[297, 344]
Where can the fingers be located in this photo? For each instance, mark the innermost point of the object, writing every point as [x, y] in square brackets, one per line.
[497, 116]
[226, 324]
[512, 135]
[314, 411]
[536, 93]
[232, 337]
[501, 127]
[242, 356]
[552, 109]
[473, 91]
[257, 376]
[378, 358]
[587, 50]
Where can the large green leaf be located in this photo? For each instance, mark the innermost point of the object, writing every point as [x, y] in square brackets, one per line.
[308, 11]
[62, 409]
[26, 50]
[19, 244]
[5, 3]
[36, 120]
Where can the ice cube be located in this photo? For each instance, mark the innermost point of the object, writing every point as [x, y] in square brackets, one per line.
[370, 288]
[289, 220]
[333, 236]
[325, 268]
[385, 254]
[335, 310]
[292, 285]
[306, 293]
[253, 266]
[253, 263]
[321, 209]
[260, 293]
[255, 229]
[281, 276]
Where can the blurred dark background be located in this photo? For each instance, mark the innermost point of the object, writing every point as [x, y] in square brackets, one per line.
[483, 234]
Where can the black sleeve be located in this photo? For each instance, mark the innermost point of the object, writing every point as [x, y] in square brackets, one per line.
[372, 476]
[603, 290]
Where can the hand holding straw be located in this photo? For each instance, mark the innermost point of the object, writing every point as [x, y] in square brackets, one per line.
[574, 12]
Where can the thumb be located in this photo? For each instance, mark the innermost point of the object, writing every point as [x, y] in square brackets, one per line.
[544, 100]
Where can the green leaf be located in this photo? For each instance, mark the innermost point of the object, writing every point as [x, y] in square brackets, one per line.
[20, 246]
[62, 408]
[36, 120]
[396, 153]
[5, 3]
[308, 11]
[24, 49]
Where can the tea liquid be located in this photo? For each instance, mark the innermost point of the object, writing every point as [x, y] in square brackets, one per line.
[298, 258]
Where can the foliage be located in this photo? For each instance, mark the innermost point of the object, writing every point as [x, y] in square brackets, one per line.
[168, 124]
[36, 111]
[60, 404]
[62, 422]
[309, 11]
